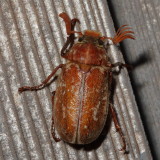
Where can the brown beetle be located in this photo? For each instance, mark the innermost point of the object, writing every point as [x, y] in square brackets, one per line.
[81, 101]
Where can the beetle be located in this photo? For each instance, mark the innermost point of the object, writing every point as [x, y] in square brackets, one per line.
[82, 98]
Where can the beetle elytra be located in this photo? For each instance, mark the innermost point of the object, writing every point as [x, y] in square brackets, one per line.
[81, 100]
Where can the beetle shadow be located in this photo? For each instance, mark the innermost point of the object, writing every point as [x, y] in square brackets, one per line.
[143, 59]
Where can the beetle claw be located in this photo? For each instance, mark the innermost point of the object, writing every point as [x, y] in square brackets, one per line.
[54, 136]
[123, 149]
[20, 90]
[56, 139]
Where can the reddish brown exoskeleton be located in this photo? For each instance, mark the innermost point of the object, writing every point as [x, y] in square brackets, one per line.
[81, 101]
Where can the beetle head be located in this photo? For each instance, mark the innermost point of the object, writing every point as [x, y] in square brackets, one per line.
[91, 36]
[88, 50]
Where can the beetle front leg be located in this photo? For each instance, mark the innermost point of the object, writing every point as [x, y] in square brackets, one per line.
[70, 39]
[118, 128]
[52, 125]
[34, 88]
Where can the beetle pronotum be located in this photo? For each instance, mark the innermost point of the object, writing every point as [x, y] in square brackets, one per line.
[81, 101]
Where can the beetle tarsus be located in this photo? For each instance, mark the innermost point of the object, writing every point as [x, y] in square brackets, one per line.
[43, 84]
[118, 129]
[53, 134]
[68, 21]
[123, 149]
[20, 90]
[28, 88]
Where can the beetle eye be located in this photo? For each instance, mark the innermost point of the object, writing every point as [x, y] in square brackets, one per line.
[100, 42]
[80, 39]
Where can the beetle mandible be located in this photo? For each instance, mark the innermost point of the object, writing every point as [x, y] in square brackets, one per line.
[81, 101]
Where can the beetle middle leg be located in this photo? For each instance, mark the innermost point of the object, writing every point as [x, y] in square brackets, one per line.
[121, 65]
[40, 86]
[52, 125]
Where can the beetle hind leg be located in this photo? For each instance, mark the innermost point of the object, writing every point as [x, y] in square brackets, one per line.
[52, 125]
[120, 66]
[119, 130]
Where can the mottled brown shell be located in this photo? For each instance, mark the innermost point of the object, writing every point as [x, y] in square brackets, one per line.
[87, 53]
[81, 103]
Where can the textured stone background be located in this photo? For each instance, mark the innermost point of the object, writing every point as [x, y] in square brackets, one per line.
[31, 37]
